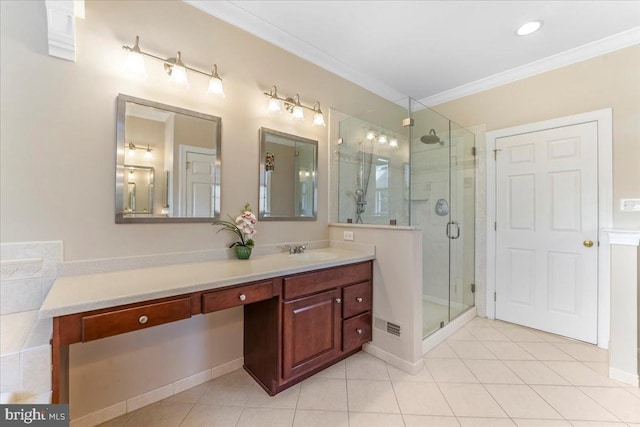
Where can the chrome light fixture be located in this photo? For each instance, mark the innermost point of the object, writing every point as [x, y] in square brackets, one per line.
[293, 106]
[176, 69]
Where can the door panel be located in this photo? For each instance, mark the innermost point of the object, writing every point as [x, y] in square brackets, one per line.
[546, 206]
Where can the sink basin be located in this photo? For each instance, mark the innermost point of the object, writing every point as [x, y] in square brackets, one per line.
[313, 256]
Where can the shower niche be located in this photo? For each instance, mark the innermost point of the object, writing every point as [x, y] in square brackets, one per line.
[413, 167]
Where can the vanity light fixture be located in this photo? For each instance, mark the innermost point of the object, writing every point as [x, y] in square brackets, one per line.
[293, 106]
[131, 150]
[393, 142]
[529, 28]
[382, 139]
[176, 69]
[371, 135]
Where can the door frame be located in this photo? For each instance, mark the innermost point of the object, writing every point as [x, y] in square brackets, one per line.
[604, 120]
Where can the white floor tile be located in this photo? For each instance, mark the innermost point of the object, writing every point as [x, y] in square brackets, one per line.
[398, 375]
[212, 416]
[508, 351]
[577, 373]
[520, 335]
[338, 371]
[462, 335]
[584, 352]
[487, 334]
[598, 424]
[442, 351]
[541, 423]
[421, 399]
[573, 404]
[492, 372]
[363, 366]
[471, 400]
[315, 418]
[617, 401]
[323, 393]
[545, 351]
[372, 396]
[485, 422]
[429, 421]
[471, 350]
[159, 414]
[360, 419]
[450, 371]
[520, 401]
[534, 372]
[272, 417]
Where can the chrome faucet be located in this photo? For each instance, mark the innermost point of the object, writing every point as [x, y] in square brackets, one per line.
[295, 249]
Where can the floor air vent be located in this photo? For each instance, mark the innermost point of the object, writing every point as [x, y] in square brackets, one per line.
[389, 327]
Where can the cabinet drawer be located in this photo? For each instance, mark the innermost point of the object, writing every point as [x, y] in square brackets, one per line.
[219, 300]
[356, 331]
[356, 299]
[317, 281]
[131, 319]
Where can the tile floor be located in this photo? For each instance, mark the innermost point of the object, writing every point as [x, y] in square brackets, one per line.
[489, 373]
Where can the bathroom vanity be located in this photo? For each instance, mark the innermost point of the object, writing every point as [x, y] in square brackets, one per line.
[301, 314]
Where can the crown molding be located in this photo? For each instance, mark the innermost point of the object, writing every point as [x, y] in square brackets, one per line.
[229, 12]
[571, 56]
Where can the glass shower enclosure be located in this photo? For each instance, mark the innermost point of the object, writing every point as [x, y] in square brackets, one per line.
[414, 167]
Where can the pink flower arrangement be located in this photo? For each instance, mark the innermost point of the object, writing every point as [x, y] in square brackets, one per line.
[244, 227]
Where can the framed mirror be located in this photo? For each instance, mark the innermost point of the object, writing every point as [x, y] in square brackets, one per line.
[167, 163]
[288, 184]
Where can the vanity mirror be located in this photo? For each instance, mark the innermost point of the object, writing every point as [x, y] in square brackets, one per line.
[288, 167]
[167, 163]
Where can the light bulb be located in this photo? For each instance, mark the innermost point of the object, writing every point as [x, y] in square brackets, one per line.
[135, 61]
[178, 73]
[382, 139]
[215, 84]
[529, 28]
[274, 106]
[318, 119]
[393, 143]
[297, 113]
[371, 135]
[148, 154]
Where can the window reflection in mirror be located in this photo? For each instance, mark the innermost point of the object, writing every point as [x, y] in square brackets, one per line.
[288, 168]
[182, 147]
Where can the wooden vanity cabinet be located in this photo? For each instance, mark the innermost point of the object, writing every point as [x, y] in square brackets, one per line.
[319, 318]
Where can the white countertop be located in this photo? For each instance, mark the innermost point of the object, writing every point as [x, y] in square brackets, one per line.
[76, 294]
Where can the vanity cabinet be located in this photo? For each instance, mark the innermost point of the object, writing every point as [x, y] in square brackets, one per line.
[321, 318]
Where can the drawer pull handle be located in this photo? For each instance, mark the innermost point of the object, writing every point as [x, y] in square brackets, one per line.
[359, 331]
[143, 319]
[359, 299]
[338, 300]
[242, 297]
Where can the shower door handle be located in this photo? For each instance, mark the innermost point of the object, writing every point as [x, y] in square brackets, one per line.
[449, 235]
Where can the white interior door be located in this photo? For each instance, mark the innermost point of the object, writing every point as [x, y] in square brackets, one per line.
[199, 184]
[546, 217]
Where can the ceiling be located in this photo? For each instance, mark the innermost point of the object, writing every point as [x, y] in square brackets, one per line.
[434, 51]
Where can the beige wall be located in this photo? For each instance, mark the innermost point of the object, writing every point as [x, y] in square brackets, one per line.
[607, 81]
[59, 122]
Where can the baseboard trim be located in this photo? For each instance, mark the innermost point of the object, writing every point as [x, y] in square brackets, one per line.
[393, 360]
[103, 415]
[624, 377]
[438, 337]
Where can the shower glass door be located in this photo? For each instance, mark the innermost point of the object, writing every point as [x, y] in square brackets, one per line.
[442, 204]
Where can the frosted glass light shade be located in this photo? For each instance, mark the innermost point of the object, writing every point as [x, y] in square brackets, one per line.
[318, 119]
[297, 113]
[135, 65]
[215, 86]
[371, 135]
[179, 76]
[148, 154]
[393, 143]
[274, 106]
[382, 139]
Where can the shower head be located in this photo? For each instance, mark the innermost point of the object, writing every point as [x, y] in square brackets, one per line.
[432, 138]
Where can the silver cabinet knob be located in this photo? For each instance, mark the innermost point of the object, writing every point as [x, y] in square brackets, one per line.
[359, 331]
[359, 299]
[242, 297]
[338, 300]
[143, 319]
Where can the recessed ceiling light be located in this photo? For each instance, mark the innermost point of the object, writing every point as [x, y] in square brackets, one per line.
[529, 28]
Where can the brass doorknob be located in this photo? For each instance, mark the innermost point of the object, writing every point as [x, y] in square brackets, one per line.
[588, 243]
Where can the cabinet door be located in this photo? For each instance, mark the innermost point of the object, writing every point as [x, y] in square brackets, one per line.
[312, 331]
